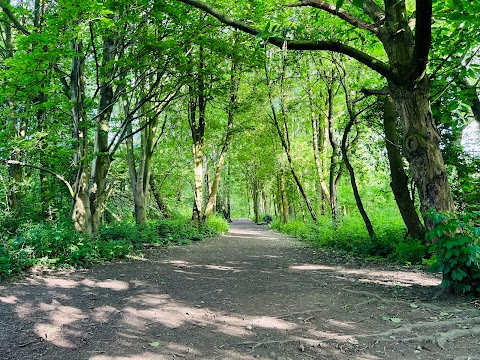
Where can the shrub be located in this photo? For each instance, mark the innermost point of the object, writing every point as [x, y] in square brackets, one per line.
[457, 250]
[56, 244]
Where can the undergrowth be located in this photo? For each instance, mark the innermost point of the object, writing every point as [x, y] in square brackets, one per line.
[24, 245]
[351, 237]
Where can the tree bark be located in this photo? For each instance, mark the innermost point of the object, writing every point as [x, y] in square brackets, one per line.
[81, 211]
[421, 142]
[197, 102]
[399, 180]
[101, 161]
[410, 93]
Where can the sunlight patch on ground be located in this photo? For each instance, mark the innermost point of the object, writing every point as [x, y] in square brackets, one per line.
[8, 299]
[185, 264]
[312, 267]
[174, 315]
[104, 313]
[60, 282]
[115, 285]
[58, 316]
[248, 236]
[383, 277]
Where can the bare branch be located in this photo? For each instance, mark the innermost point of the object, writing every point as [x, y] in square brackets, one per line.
[342, 14]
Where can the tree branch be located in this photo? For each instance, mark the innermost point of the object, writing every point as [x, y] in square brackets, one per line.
[373, 63]
[58, 176]
[342, 14]
[14, 20]
[423, 39]
[376, 13]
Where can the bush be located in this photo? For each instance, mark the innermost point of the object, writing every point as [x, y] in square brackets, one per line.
[57, 244]
[457, 250]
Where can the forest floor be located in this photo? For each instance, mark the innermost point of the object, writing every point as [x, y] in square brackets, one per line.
[250, 294]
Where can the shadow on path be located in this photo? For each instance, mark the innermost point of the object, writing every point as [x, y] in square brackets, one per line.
[250, 294]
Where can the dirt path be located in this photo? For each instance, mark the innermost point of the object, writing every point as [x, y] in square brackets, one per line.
[251, 294]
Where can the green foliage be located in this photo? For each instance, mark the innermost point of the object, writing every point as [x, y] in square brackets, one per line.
[457, 250]
[58, 244]
[350, 237]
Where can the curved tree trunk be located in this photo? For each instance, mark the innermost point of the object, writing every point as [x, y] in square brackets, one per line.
[399, 180]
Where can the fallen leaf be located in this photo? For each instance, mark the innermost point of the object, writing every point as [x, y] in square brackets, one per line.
[395, 320]
[414, 306]
[155, 344]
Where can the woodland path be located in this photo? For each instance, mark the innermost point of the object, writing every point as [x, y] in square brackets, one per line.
[250, 294]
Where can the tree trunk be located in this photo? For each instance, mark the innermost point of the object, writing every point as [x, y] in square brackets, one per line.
[101, 161]
[81, 211]
[197, 101]
[335, 168]
[399, 180]
[421, 142]
[283, 194]
[318, 148]
[358, 200]
[256, 200]
[158, 198]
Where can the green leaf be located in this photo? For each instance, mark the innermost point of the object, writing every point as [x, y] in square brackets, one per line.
[358, 3]
[339, 4]
[154, 344]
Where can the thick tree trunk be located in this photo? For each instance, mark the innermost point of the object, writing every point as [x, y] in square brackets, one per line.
[421, 142]
[399, 180]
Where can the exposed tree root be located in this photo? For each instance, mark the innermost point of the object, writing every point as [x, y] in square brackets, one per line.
[441, 339]
[427, 306]
[424, 324]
